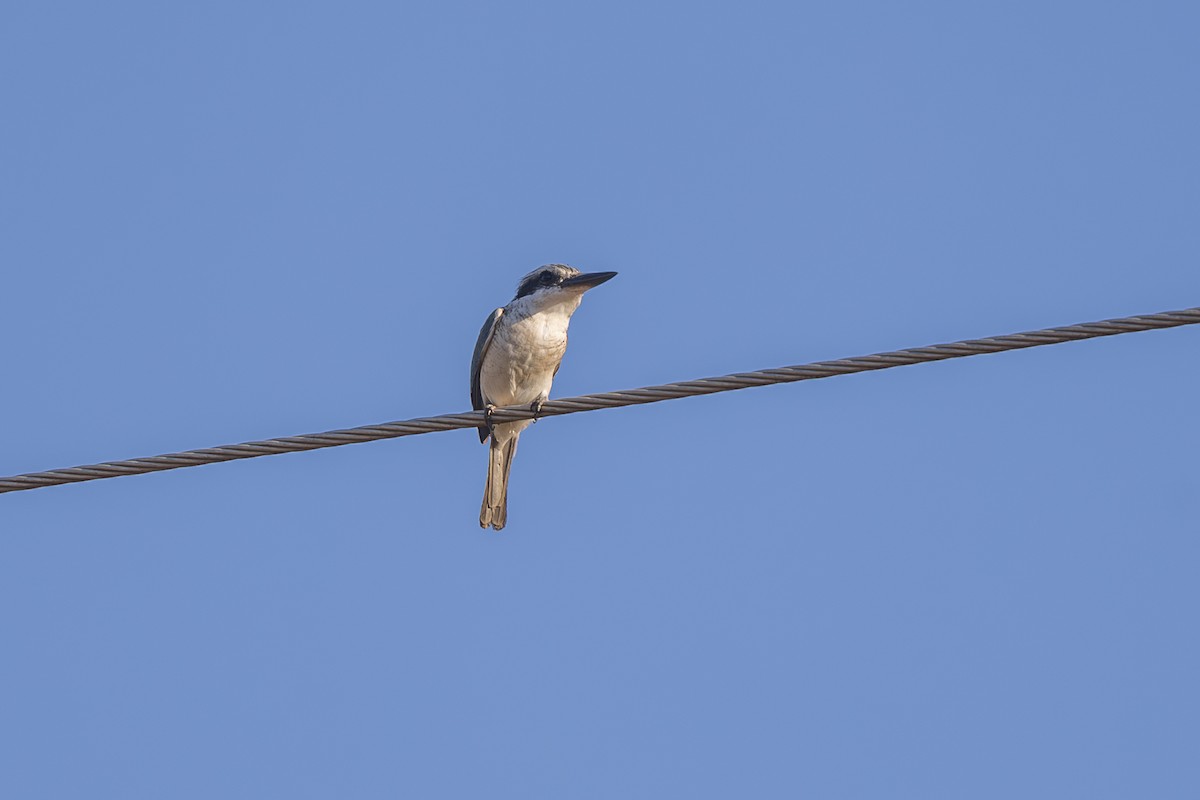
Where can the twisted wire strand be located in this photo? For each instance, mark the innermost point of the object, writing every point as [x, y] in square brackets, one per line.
[593, 402]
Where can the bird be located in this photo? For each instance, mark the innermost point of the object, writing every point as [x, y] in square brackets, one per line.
[519, 351]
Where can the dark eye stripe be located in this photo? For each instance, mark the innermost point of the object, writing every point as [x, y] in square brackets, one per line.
[545, 277]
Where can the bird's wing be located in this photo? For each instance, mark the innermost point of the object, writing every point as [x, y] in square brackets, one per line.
[481, 348]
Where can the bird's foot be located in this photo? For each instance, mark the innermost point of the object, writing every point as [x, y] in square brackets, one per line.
[487, 419]
[536, 408]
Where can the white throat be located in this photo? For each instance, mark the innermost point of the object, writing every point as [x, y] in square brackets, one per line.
[554, 302]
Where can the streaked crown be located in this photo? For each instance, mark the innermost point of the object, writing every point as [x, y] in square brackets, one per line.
[544, 277]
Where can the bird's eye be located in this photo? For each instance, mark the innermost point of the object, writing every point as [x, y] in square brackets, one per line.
[547, 277]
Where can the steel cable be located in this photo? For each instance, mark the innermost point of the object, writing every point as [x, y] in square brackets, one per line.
[593, 402]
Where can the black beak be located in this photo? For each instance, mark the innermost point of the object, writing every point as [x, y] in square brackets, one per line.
[588, 280]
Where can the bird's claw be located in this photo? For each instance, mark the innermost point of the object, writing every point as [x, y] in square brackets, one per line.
[536, 408]
[487, 419]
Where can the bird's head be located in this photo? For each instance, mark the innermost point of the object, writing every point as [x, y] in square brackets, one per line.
[555, 283]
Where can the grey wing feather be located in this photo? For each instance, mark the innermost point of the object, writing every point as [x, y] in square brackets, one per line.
[481, 347]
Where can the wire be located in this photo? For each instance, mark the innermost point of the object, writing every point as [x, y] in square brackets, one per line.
[592, 402]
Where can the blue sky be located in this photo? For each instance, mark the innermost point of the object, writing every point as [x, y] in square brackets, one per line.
[233, 221]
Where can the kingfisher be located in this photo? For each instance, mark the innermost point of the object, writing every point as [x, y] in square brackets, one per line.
[519, 351]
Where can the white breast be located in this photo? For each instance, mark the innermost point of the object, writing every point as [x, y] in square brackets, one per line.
[529, 343]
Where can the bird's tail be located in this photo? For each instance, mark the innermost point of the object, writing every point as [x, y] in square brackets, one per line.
[494, 511]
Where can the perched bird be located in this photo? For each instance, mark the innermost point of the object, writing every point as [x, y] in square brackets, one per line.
[518, 353]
